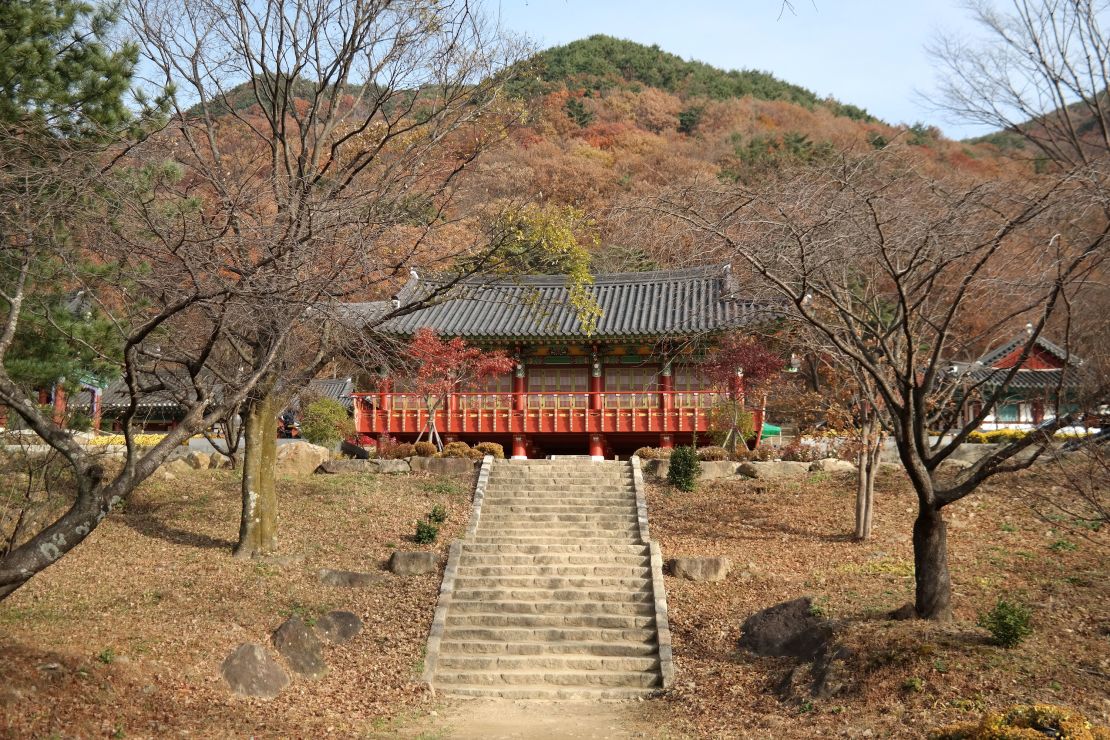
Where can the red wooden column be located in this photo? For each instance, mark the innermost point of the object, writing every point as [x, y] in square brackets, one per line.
[518, 384]
[95, 406]
[385, 403]
[597, 405]
[666, 402]
[59, 403]
[520, 447]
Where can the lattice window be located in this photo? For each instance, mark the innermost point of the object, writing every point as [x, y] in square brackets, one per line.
[558, 387]
[628, 387]
[689, 378]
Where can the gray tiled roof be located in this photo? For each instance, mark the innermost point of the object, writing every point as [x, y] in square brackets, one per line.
[1055, 350]
[1028, 379]
[633, 304]
[337, 389]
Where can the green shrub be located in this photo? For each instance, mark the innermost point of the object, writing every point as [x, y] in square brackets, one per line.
[424, 449]
[491, 448]
[325, 422]
[645, 453]
[456, 449]
[438, 514]
[689, 119]
[426, 532]
[684, 468]
[1008, 623]
[712, 454]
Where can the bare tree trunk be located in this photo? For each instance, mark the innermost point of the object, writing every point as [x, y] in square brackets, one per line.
[867, 460]
[258, 524]
[930, 560]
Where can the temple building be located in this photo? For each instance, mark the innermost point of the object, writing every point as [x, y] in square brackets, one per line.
[1045, 385]
[632, 381]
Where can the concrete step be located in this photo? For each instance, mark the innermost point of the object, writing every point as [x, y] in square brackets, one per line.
[552, 607]
[568, 548]
[591, 487]
[507, 536]
[509, 517]
[538, 507]
[597, 538]
[469, 558]
[566, 571]
[599, 679]
[553, 583]
[525, 595]
[546, 693]
[563, 663]
[615, 649]
[525, 528]
[524, 498]
[536, 621]
[549, 634]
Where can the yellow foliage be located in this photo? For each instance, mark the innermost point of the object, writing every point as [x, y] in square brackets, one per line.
[1024, 721]
[141, 440]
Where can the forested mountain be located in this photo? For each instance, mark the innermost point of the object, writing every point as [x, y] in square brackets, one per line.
[611, 122]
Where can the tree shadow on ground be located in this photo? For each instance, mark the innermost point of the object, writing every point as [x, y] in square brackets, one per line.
[144, 518]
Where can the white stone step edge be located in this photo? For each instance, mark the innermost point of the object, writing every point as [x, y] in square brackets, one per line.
[450, 573]
[662, 623]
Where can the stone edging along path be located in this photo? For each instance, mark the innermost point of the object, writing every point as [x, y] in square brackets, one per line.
[662, 624]
[450, 572]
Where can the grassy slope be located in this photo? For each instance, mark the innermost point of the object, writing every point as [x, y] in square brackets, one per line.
[156, 587]
[791, 539]
[128, 632]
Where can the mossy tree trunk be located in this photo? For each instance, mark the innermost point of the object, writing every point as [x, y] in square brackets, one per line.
[258, 524]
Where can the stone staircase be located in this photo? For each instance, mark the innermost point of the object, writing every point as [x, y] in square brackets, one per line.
[553, 593]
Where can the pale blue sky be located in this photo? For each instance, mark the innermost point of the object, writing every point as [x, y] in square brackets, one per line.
[866, 52]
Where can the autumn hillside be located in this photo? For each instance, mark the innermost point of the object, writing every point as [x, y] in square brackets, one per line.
[613, 121]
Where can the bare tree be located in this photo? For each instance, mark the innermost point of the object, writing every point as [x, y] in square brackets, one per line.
[1041, 73]
[902, 272]
[328, 137]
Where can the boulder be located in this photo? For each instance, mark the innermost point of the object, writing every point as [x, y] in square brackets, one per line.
[300, 647]
[789, 629]
[174, 468]
[338, 626]
[712, 469]
[700, 569]
[444, 465]
[251, 671]
[199, 460]
[413, 563]
[393, 466]
[220, 461]
[300, 458]
[831, 465]
[954, 466]
[657, 468]
[775, 469]
[348, 466]
[347, 578]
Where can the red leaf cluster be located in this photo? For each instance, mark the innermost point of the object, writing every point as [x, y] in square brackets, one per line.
[441, 367]
[739, 352]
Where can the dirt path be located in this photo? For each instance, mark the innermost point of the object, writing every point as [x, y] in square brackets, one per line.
[504, 719]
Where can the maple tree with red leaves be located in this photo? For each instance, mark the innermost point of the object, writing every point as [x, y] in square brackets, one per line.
[740, 353]
[445, 366]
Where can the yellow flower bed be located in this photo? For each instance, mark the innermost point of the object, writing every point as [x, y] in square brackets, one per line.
[141, 440]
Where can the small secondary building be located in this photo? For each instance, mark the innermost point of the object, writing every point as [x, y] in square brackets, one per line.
[633, 381]
[1045, 385]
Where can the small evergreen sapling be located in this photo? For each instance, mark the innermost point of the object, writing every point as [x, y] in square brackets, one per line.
[684, 468]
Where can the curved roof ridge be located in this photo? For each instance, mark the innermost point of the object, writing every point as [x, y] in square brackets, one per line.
[601, 278]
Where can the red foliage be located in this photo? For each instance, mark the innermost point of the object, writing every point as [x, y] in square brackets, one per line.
[442, 367]
[737, 351]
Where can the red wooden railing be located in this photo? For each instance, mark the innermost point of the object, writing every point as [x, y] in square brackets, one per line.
[541, 412]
